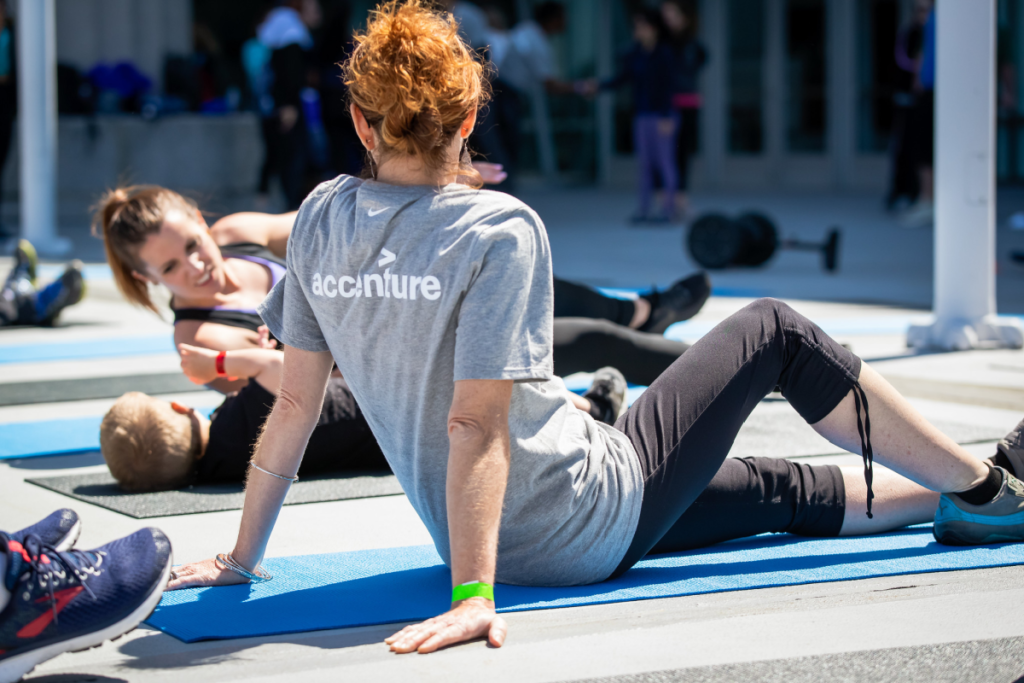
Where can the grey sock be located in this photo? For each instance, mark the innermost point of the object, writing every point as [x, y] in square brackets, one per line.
[5, 595]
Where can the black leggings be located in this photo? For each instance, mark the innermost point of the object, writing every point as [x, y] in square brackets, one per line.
[586, 344]
[579, 301]
[685, 423]
[16, 308]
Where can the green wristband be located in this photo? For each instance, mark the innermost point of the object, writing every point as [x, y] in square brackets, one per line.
[476, 589]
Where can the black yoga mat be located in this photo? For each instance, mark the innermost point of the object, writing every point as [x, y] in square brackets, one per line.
[99, 488]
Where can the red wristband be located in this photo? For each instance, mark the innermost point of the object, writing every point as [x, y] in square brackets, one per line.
[220, 364]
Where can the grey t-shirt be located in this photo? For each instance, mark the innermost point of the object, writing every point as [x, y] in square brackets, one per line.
[414, 288]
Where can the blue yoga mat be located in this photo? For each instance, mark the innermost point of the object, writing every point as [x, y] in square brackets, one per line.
[88, 348]
[340, 590]
[53, 437]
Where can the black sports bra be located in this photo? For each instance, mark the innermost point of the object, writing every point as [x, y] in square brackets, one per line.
[248, 319]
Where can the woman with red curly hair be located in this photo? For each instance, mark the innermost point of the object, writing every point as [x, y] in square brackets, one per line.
[435, 298]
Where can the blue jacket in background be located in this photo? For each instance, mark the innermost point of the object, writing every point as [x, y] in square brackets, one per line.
[651, 77]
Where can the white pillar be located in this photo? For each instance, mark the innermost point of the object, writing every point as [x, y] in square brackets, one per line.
[965, 119]
[37, 125]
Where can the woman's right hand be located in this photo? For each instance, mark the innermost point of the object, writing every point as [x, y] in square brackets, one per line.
[205, 573]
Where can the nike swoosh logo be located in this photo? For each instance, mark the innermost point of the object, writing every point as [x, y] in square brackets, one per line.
[371, 213]
[39, 624]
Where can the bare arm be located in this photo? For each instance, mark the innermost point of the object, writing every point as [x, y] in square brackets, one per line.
[478, 462]
[279, 450]
[261, 365]
[217, 337]
[270, 230]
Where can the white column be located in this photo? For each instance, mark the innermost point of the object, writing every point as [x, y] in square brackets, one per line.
[965, 289]
[37, 125]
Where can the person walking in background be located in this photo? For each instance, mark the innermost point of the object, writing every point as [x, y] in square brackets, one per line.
[922, 131]
[8, 101]
[287, 37]
[648, 69]
[691, 57]
[904, 184]
[333, 46]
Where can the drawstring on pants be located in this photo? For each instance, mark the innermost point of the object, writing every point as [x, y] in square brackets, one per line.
[864, 430]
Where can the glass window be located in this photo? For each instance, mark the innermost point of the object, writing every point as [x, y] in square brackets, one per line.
[745, 76]
[881, 84]
[805, 74]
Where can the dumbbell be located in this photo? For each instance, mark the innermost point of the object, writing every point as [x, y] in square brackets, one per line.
[716, 241]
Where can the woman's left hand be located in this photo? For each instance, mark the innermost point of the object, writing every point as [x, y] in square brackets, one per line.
[666, 127]
[470, 619]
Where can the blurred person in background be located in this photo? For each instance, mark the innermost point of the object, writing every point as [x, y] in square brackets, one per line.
[22, 304]
[648, 68]
[8, 101]
[691, 57]
[286, 34]
[922, 130]
[904, 183]
[332, 47]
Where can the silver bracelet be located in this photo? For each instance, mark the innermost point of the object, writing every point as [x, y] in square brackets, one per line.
[290, 479]
[259, 576]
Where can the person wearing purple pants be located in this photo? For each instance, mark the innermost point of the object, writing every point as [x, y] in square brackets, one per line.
[647, 69]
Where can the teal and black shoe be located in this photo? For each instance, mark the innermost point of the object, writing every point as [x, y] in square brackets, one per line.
[65, 291]
[1001, 520]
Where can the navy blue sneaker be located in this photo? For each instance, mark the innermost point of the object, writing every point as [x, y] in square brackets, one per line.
[60, 530]
[61, 602]
[65, 291]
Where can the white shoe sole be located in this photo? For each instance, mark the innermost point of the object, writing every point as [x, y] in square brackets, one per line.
[13, 669]
[69, 540]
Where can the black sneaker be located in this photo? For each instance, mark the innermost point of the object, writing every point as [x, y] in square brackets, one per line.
[68, 290]
[25, 262]
[60, 530]
[679, 302]
[608, 393]
[64, 602]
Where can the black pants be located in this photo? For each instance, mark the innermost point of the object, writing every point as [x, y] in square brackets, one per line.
[579, 301]
[16, 308]
[685, 423]
[586, 344]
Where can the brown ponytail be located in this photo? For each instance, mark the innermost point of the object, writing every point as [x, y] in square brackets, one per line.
[415, 81]
[124, 218]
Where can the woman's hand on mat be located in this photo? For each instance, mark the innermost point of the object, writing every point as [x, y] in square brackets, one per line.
[205, 573]
[470, 619]
[198, 364]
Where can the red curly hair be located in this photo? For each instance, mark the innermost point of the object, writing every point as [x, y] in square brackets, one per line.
[416, 81]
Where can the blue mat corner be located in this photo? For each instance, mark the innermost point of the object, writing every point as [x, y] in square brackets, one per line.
[369, 587]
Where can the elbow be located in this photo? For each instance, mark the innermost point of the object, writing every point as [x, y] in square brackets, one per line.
[290, 406]
[464, 429]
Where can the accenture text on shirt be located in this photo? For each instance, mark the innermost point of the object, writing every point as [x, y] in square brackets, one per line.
[386, 286]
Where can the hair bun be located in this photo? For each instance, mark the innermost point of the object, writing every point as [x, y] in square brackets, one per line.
[414, 79]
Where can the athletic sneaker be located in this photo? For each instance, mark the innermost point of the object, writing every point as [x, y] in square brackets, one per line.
[67, 290]
[60, 530]
[608, 393]
[69, 601]
[25, 262]
[1000, 520]
[679, 302]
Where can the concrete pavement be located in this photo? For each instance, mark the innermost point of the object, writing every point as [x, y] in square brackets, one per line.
[940, 626]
